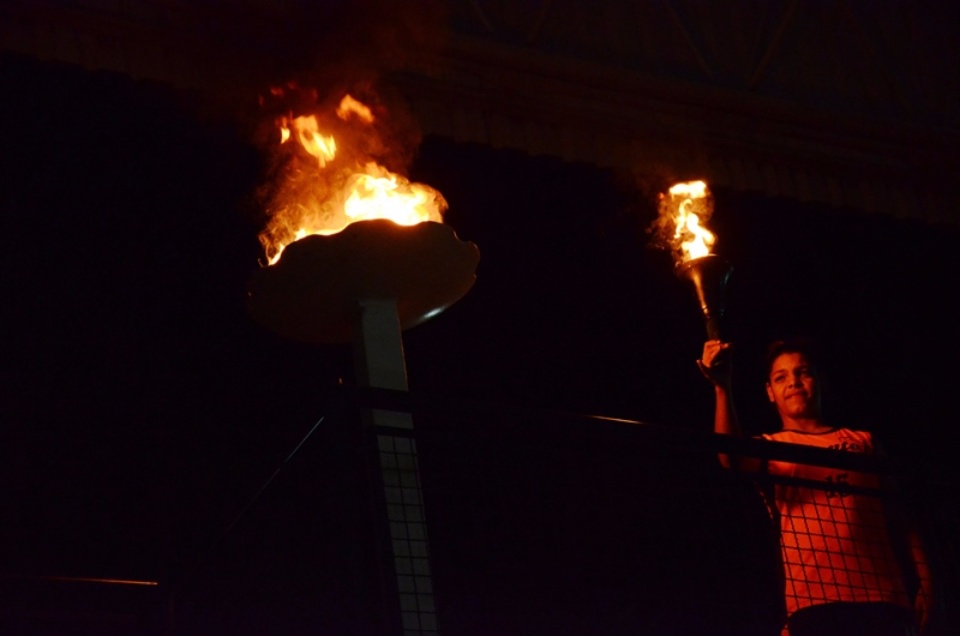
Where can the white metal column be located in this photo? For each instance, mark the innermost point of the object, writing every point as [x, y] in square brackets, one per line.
[378, 356]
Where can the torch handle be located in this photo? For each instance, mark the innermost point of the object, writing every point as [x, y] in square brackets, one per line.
[708, 275]
[713, 327]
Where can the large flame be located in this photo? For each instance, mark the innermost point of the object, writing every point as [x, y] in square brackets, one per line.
[682, 211]
[326, 196]
[349, 105]
[323, 147]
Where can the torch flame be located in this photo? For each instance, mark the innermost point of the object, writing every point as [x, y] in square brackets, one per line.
[327, 198]
[683, 209]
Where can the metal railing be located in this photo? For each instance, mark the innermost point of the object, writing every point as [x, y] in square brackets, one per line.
[538, 522]
[599, 525]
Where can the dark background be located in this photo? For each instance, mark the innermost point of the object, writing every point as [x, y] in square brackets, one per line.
[141, 408]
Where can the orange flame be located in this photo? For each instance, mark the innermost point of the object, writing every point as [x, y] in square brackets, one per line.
[380, 194]
[683, 209]
[331, 195]
[321, 146]
[348, 105]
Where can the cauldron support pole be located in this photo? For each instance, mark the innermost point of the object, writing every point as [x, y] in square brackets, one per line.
[379, 362]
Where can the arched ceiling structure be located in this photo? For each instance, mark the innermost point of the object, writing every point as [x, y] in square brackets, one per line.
[847, 103]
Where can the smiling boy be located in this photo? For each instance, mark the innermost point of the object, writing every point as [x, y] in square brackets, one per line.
[841, 575]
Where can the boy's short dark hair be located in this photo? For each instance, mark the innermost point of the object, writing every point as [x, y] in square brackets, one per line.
[798, 344]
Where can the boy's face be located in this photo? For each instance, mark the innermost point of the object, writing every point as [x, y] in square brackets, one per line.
[793, 388]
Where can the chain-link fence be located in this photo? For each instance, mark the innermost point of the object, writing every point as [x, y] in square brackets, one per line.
[552, 523]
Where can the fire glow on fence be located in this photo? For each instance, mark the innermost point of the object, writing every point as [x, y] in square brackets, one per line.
[324, 182]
